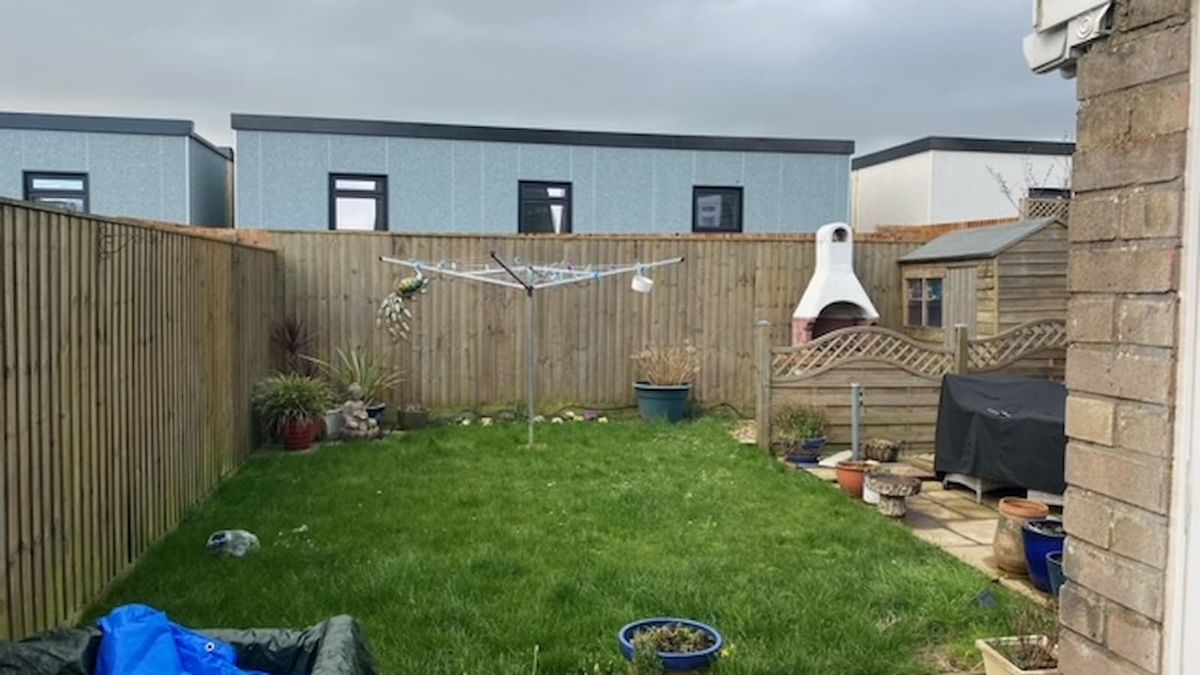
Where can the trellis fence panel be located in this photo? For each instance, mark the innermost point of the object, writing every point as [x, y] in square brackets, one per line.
[901, 378]
[129, 352]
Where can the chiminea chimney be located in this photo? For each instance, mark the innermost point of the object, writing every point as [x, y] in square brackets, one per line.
[834, 298]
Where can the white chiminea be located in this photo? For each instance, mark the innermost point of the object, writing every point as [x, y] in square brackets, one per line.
[834, 298]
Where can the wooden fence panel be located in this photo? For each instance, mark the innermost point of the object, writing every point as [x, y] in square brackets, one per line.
[901, 378]
[129, 355]
[468, 340]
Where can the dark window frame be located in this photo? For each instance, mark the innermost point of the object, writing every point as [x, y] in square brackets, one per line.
[741, 210]
[925, 300]
[568, 203]
[380, 194]
[31, 193]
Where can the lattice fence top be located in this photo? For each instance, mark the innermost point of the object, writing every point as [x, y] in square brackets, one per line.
[1012, 345]
[864, 343]
[931, 361]
[1034, 208]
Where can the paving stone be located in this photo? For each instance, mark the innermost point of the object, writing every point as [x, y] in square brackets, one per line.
[933, 510]
[978, 556]
[942, 538]
[916, 520]
[982, 531]
[972, 510]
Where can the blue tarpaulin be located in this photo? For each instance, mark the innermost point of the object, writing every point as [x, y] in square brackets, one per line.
[140, 640]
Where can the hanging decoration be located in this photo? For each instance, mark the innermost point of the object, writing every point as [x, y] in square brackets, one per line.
[393, 314]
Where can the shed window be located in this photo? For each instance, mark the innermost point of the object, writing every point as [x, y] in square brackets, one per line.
[924, 303]
[545, 208]
[357, 202]
[716, 209]
[64, 190]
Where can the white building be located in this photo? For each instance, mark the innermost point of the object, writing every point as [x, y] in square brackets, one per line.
[941, 179]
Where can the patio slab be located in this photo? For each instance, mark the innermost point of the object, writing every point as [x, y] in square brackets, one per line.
[949, 518]
[981, 531]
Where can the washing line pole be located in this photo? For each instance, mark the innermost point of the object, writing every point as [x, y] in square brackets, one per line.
[530, 346]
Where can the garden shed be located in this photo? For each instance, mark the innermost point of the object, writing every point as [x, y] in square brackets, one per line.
[989, 278]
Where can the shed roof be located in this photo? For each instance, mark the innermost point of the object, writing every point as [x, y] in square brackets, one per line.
[978, 242]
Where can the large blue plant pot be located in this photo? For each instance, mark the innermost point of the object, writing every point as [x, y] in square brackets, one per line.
[1055, 569]
[1037, 546]
[674, 661]
[662, 402]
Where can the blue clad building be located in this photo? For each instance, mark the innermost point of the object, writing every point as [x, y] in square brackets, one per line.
[156, 169]
[299, 173]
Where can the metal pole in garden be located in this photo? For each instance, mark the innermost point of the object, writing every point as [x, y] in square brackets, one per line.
[530, 361]
[855, 420]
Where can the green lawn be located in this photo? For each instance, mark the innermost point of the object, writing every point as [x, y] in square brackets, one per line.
[462, 552]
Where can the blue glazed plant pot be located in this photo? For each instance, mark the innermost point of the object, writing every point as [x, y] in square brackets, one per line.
[376, 412]
[674, 661]
[662, 402]
[1041, 537]
[814, 444]
[1055, 569]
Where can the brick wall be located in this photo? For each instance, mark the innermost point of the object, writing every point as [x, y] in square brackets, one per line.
[1123, 277]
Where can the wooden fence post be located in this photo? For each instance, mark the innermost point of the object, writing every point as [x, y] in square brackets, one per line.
[962, 362]
[762, 411]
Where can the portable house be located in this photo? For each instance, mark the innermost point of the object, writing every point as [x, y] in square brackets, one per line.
[988, 278]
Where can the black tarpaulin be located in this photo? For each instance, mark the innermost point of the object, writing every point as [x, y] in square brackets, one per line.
[335, 647]
[1003, 428]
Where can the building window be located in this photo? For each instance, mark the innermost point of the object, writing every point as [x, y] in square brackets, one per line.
[716, 209]
[357, 202]
[1049, 193]
[924, 306]
[64, 190]
[545, 208]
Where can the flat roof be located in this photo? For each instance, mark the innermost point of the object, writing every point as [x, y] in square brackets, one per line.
[98, 124]
[458, 132]
[977, 242]
[963, 144]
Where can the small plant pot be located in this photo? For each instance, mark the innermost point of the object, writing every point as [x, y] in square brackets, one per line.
[815, 444]
[412, 420]
[995, 661]
[1008, 545]
[335, 424]
[850, 477]
[1054, 567]
[674, 662]
[297, 435]
[375, 412]
[1041, 538]
[662, 402]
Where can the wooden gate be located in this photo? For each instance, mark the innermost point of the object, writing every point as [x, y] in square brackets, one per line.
[901, 377]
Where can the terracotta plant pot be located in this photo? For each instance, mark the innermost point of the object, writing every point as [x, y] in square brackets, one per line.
[297, 435]
[1009, 545]
[850, 476]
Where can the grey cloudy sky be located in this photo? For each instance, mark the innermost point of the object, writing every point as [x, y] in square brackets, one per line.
[876, 71]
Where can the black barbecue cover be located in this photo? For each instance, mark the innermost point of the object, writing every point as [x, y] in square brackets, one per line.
[335, 647]
[1003, 428]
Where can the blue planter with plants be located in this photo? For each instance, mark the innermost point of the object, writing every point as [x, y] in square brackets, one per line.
[1041, 537]
[799, 433]
[662, 402]
[664, 381]
[376, 412]
[671, 630]
[1054, 567]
